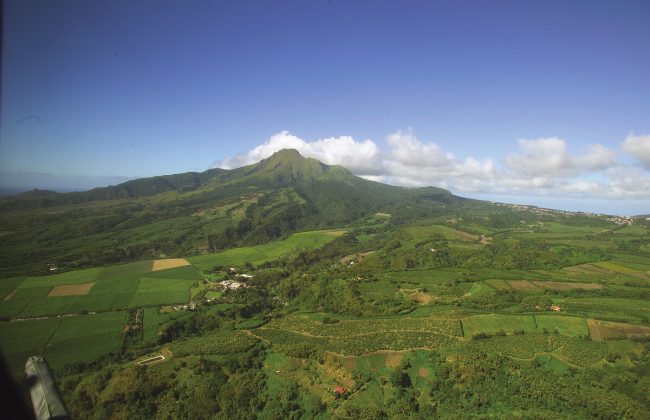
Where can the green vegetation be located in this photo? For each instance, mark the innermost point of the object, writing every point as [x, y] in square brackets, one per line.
[346, 299]
[262, 253]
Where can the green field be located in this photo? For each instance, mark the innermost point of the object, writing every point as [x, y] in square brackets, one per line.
[494, 323]
[65, 340]
[261, 253]
[84, 338]
[160, 291]
[116, 287]
[21, 339]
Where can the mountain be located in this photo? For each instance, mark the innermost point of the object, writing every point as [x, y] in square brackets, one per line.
[190, 213]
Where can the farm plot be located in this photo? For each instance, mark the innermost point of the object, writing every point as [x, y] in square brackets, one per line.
[498, 284]
[306, 325]
[602, 330]
[8, 287]
[574, 350]
[369, 342]
[560, 285]
[180, 273]
[13, 306]
[362, 335]
[71, 277]
[71, 289]
[155, 291]
[261, 253]
[21, 339]
[215, 343]
[85, 338]
[494, 323]
[168, 263]
[607, 308]
[45, 306]
[523, 286]
[95, 289]
[618, 268]
[570, 326]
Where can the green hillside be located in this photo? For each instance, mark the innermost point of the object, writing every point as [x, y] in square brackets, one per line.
[293, 289]
[190, 214]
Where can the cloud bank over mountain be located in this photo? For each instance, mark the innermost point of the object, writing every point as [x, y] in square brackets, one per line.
[541, 166]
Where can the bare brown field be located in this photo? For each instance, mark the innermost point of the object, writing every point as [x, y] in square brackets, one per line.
[394, 359]
[168, 263]
[561, 285]
[423, 373]
[603, 330]
[522, 285]
[71, 289]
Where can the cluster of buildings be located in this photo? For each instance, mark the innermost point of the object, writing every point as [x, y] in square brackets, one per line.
[619, 220]
[231, 285]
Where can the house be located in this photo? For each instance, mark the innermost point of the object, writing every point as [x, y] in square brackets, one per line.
[555, 308]
[244, 276]
[340, 390]
[230, 285]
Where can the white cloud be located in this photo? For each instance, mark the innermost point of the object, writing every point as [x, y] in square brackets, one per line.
[639, 147]
[543, 167]
[597, 157]
[549, 157]
[408, 150]
[415, 163]
[359, 157]
[541, 157]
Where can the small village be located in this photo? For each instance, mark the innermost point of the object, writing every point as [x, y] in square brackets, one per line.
[211, 289]
[541, 211]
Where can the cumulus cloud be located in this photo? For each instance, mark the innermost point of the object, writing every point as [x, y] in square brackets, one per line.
[549, 158]
[359, 157]
[413, 162]
[639, 147]
[541, 166]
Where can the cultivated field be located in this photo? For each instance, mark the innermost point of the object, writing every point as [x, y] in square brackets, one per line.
[560, 285]
[602, 330]
[261, 253]
[168, 263]
[70, 289]
[81, 338]
[111, 288]
[522, 285]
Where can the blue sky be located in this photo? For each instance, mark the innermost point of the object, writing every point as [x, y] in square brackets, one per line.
[537, 102]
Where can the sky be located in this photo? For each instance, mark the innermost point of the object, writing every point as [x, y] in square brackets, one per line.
[544, 103]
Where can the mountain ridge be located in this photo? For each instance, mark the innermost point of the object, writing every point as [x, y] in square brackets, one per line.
[192, 213]
[285, 165]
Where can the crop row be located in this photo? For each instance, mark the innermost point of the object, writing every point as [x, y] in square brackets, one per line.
[357, 345]
[347, 328]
